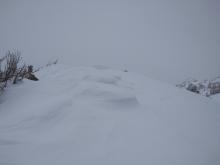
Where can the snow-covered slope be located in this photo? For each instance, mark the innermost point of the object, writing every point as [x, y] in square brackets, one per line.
[99, 116]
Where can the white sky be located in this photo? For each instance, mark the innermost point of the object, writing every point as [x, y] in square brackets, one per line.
[165, 39]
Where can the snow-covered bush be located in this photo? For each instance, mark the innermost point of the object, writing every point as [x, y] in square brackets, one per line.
[205, 87]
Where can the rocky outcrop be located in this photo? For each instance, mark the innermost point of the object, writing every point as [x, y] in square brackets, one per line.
[206, 87]
[30, 75]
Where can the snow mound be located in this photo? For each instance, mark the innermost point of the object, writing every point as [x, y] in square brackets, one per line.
[97, 115]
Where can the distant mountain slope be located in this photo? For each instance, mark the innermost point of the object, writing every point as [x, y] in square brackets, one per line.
[100, 116]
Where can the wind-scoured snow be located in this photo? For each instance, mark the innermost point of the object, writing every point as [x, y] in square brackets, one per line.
[99, 116]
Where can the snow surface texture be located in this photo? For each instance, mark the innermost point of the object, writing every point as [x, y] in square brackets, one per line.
[99, 116]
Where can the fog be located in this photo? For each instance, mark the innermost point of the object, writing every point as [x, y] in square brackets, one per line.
[169, 40]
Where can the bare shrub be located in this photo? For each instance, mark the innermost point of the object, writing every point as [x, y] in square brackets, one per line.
[47, 65]
[12, 69]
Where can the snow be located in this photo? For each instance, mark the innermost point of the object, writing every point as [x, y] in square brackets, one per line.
[216, 98]
[97, 115]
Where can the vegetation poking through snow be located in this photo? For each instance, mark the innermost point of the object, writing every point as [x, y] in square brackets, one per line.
[13, 70]
[47, 65]
[205, 88]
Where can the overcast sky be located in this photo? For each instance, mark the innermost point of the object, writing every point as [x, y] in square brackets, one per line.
[169, 40]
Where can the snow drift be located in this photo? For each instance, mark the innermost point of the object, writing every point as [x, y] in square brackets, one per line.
[96, 116]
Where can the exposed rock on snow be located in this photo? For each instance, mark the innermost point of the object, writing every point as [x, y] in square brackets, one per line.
[206, 87]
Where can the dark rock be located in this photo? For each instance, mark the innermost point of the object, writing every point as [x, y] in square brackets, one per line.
[32, 77]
